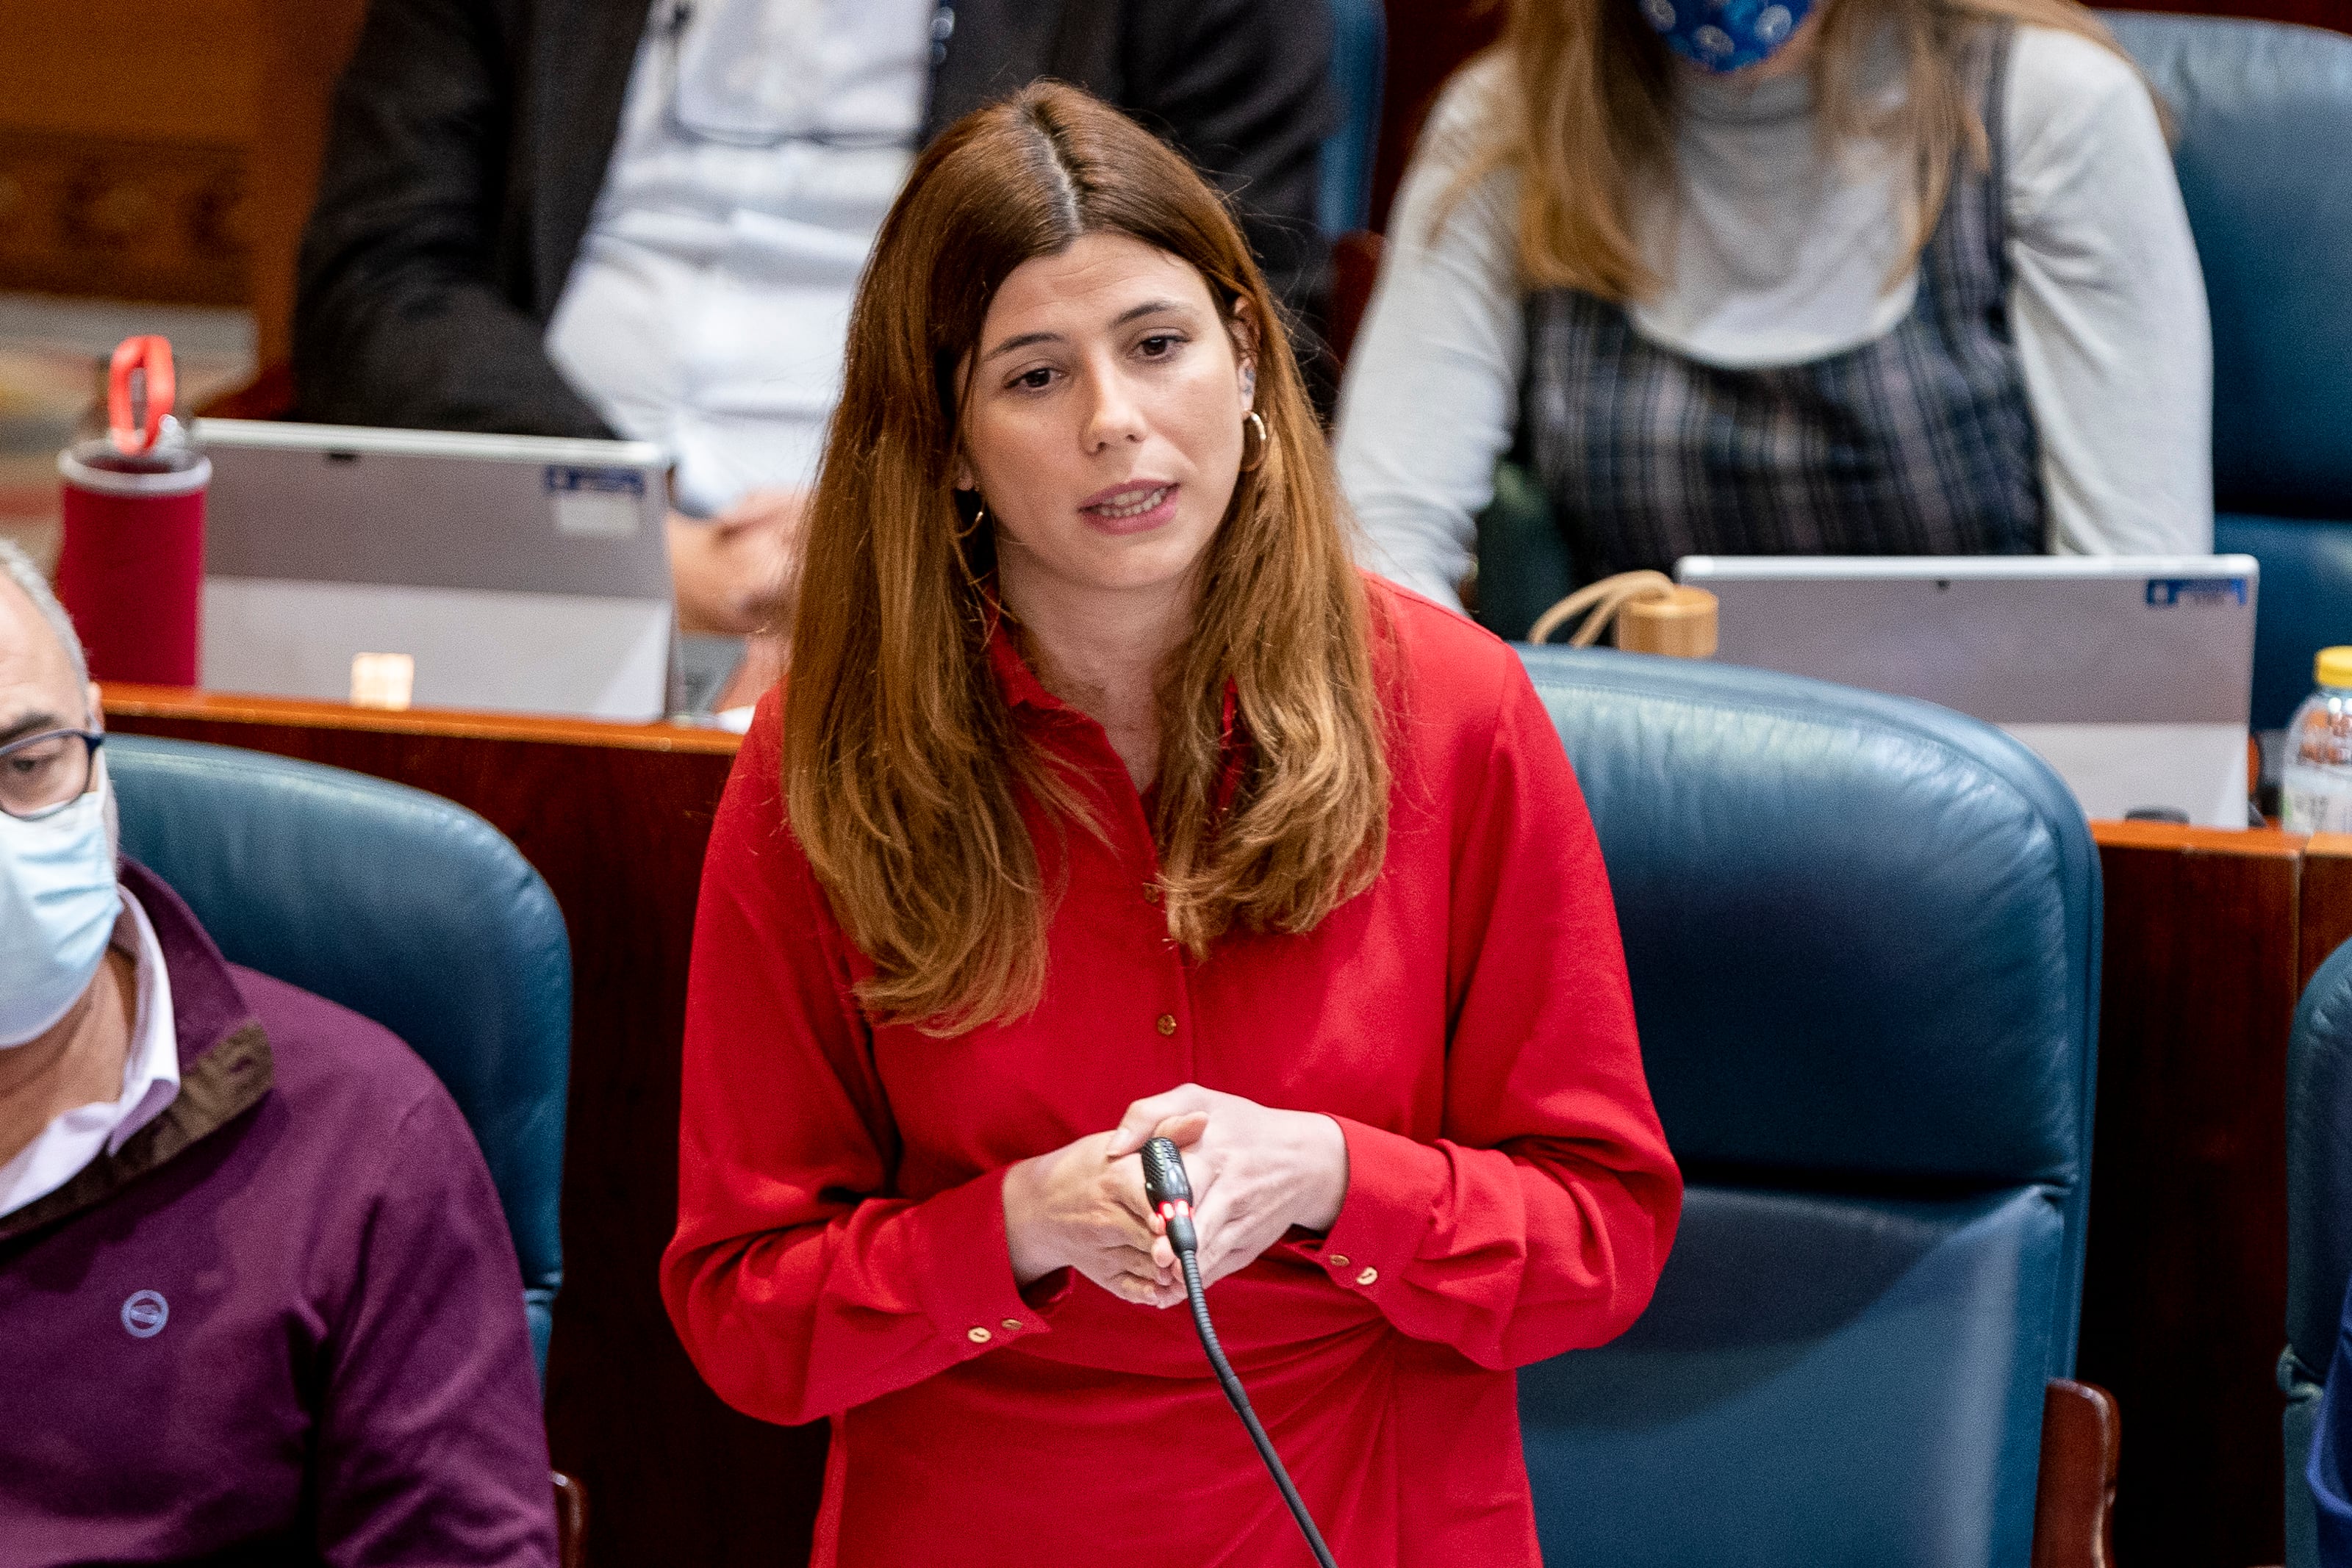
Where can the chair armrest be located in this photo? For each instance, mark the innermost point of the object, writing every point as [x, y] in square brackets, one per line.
[571, 1521]
[2074, 1501]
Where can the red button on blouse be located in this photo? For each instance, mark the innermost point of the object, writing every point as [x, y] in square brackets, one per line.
[841, 1251]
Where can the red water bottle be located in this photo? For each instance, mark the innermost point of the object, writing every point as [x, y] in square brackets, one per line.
[132, 573]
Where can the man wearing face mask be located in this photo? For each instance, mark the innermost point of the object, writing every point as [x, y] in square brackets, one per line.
[258, 1299]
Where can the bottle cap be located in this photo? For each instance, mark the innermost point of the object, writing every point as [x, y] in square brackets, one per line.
[2334, 666]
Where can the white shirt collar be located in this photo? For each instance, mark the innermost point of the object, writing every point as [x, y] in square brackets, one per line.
[151, 1079]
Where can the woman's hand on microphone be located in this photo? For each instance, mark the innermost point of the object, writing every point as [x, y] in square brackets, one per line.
[1255, 1171]
[1078, 1208]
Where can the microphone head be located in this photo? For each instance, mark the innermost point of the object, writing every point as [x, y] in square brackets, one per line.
[1163, 1175]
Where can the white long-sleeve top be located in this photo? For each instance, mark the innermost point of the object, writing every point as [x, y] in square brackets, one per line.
[710, 306]
[1774, 254]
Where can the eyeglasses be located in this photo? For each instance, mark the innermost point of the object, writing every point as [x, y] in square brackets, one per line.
[45, 773]
[755, 138]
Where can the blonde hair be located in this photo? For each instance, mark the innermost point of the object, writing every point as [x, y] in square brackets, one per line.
[1586, 111]
[903, 766]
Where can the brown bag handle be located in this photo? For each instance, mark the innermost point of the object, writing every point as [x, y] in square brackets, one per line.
[1659, 616]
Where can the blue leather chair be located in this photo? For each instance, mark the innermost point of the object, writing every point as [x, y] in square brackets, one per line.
[2263, 111]
[1863, 935]
[400, 906]
[2318, 1222]
[1359, 58]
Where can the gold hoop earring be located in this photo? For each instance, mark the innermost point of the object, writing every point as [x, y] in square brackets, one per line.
[979, 516]
[1251, 460]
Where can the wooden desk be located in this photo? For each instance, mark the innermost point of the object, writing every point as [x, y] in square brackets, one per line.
[2208, 938]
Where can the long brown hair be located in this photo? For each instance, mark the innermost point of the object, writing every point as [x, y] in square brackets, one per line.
[1586, 114]
[903, 766]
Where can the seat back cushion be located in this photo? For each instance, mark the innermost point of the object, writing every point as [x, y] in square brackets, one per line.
[398, 905]
[2253, 103]
[1821, 1381]
[1860, 930]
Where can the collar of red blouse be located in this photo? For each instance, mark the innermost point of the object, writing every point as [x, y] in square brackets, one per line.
[1021, 688]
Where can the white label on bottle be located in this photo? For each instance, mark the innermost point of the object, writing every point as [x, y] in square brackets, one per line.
[2315, 801]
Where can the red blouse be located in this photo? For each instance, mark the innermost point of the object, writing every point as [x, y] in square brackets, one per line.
[841, 1249]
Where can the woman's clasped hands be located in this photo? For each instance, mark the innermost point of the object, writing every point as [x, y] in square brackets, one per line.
[1254, 1172]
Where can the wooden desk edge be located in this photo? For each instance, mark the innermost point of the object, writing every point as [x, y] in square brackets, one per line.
[125, 700]
[132, 701]
[2266, 843]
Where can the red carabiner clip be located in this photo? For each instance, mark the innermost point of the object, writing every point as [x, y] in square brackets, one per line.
[135, 414]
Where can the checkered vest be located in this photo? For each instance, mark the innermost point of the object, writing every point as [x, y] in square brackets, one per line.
[1918, 443]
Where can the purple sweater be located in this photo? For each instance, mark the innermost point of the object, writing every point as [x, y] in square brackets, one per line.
[284, 1324]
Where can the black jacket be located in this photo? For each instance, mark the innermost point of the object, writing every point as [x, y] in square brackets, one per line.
[469, 140]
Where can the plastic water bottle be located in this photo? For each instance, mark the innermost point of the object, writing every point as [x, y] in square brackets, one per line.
[2315, 786]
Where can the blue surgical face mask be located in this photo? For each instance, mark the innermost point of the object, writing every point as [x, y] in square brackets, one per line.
[1726, 35]
[58, 908]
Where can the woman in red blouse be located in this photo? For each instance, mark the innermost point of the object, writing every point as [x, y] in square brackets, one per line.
[1110, 801]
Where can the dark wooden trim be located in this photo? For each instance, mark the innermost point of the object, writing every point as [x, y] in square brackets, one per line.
[571, 1521]
[184, 703]
[2074, 1497]
[2184, 1302]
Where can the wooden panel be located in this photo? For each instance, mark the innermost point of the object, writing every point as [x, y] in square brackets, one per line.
[615, 817]
[124, 129]
[2185, 1299]
[104, 216]
[154, 69]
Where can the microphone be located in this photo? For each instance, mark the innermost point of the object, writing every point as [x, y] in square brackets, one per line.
[1170, 1192]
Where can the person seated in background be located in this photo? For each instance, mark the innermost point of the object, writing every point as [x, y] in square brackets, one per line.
[602, 216]
[257, 1299]
[1803, 277]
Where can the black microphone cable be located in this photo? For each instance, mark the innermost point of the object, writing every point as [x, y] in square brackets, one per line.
[1170, 1192]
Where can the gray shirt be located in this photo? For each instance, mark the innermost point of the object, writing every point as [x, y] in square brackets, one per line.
[1777, 253]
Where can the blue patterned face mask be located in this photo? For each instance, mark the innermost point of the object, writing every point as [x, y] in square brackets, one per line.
[1726, 35]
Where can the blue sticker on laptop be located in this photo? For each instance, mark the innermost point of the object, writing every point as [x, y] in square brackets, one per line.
[2166, 592]
[596, 503]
